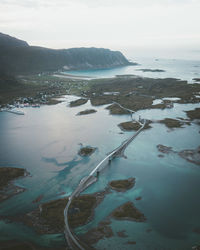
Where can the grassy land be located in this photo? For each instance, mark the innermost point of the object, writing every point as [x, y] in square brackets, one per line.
[139, 93]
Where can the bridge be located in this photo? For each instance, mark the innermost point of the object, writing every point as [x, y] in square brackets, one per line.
[72, 240]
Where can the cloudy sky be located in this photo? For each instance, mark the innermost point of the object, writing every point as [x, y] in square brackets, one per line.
[127, 25]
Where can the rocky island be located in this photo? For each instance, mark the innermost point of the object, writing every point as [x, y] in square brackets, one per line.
[128, 211]
[132, 126]
[78, 102]
[7, 176]
[86, 151]
[87, 111]
[122, 185]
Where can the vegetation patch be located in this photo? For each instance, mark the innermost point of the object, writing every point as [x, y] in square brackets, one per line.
[122, 185]
[86, 151]
[78, 102]
[87, 111]
[128, 211]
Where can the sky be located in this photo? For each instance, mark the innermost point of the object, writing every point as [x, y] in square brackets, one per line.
[141, 27]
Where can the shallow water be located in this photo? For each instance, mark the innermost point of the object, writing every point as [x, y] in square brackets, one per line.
[46, 141]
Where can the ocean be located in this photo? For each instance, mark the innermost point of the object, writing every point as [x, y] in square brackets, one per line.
[46, 142]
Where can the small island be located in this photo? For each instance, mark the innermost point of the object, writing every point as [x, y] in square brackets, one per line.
[78, 102]
[86, 151]
[117, 110]
[128, 211]
[7, 176]
[196, 79]
[193, 114]
[87, 111]
[172, 123]
[122, 185]
[190, 155]
[152, 70]
[48, 218]
[132, 126]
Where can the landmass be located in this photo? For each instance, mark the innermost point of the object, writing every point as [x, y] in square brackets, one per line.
[116, 109]
[19, 57]
[87, 111]
[196, 79]
[48, 218]
[151, 70]
[128, 211]
[103, 230]
[86, 151]
[7, 176]
[136, 93]
[193, 114]
[172, 123]
[132, 125]
[78, 102]
[122, 185]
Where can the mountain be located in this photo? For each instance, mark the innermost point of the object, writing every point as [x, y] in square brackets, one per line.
[16, 56]
[9, 41]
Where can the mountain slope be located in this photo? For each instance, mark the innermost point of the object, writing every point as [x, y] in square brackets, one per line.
[18, 57]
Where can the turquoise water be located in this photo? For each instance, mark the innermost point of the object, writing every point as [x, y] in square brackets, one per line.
[181, 69]
[45, 141]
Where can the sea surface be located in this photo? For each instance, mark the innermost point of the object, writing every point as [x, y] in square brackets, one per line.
[173, 68]
[46, 142]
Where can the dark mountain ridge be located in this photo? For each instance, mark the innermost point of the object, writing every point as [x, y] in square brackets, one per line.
[16, 56]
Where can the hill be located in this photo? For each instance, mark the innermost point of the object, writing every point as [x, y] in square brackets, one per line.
[17, 57]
